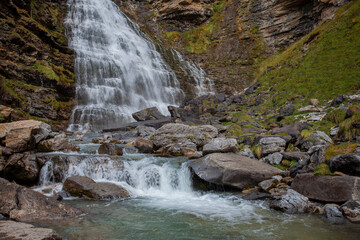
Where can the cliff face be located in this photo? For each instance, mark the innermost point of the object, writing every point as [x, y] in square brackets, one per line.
[36, 65]
[229, 38]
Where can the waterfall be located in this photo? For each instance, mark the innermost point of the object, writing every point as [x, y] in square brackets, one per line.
[118, 70]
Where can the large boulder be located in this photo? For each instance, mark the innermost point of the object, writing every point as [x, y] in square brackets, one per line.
[181, 133]
[144, 145]
[58, 143]
[22, 204]
[23, 135]
[335, 189]
[346, 163]
[292, 202]
[148, 114]
[110, 149]
[220, 145]
[22, 167]
[24, 231]
[144, 131]
[232, 170]
[316, 138]
[84, 187]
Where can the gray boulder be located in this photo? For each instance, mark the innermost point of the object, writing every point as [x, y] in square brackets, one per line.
[333, 214]
[273, 158]
[272, 145]
[292, 202]
[144, 131]
[84, 187]
[247, 153]
[300, 157]
[148, 114]
[23, 231]
[346, 163]
[335, 189]
[317, 138]
[317, 153]
[220, 145]
[232, 170]
[23, 204]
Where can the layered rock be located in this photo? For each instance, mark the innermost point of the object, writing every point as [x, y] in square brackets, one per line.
[87, 188]
[232, 170]
[220, 145]
[23, 204]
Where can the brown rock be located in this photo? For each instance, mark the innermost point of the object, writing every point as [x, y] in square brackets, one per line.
[327, 188]
[23, 231]
[84, 187]
[23, 204]
[57, 144]
[148, 114]
[144, 146]
[110, 149]
[232, 170]
[23, 135]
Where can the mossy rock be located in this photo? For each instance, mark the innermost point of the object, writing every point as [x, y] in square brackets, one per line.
[323, 169]
[334, 150]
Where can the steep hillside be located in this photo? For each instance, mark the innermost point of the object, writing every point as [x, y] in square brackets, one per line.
[36, 65]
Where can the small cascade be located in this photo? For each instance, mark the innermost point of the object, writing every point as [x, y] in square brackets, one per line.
[117, 67]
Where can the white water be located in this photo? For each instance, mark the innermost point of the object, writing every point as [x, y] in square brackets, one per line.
[117, 67]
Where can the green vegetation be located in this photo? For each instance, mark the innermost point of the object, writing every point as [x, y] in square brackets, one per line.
[322, 169]
[336, 116]
[350, 128]
[323, 64]
[256, 151]
[240, 117]
[334, 150]
[306, 133]
[281, 167]
[2, 118]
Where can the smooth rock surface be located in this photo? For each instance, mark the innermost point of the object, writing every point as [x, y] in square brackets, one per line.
[84, 187]
[10, 230]
[220, 145]
[346, 163]
[292, 202]
[232, 170]
[23, 204]
[335, 189]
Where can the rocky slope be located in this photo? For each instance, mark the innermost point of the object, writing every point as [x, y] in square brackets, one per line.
[36, 65]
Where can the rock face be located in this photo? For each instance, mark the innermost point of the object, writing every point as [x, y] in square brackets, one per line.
[37, 67]
[148, 114]
[232, 170]
[22, 167]
[87, 188]
[292, 202]
[23, 204]
[346, 163]
[220, 145]
[327, 188]
[144, 146]
[110, 149]
[23, 231]
[23, 135]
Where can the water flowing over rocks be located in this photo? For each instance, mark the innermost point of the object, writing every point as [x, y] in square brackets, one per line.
[23, 204]
[335, 189]
[23, 231]
[84, 187]
[232, 170]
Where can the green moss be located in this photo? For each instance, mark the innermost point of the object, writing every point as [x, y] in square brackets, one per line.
[324, 64]
[235, 130]
[281, 167]
[306, 133]
[322, 169]
[348, 129]
[334, 150]
[45, 68]
[240, 117]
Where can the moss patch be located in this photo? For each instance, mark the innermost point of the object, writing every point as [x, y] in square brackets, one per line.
[334, 150]
[322, 169]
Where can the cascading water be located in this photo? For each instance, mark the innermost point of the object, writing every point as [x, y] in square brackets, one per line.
[117, 67]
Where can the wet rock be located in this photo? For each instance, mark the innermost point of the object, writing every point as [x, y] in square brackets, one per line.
[335, 189]
[232, 170]
[110, 149]
[193, 154]
[23, 204]
[172, 132]
[145, 132]
[178, 148]
[220, 145]
[87, 188]
[58, 143]
[317, 138]
[23, 135]
[292, 202]
[23, 231]
[294, 130]
[143, 145]
[273, 158]
[149, 123]
[148, 114]
[333, 214]
[272, 145]
[22, 167]
[346, 163]
[255, 194]
[351, 210]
